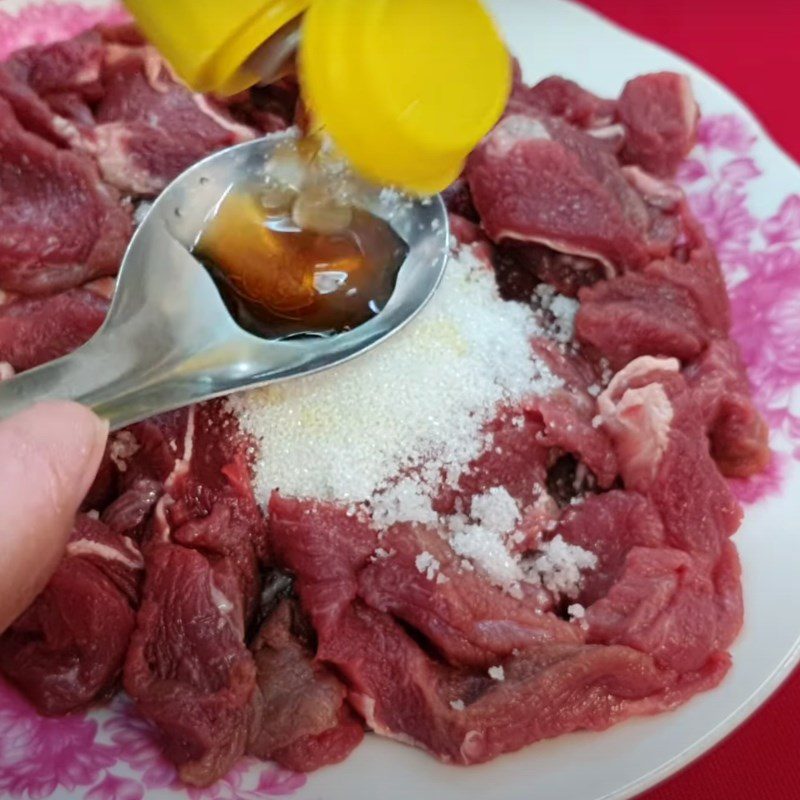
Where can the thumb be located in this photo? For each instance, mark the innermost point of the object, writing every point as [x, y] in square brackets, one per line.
[49, 455]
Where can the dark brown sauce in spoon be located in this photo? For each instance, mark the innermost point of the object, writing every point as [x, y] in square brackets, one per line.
[278, 280]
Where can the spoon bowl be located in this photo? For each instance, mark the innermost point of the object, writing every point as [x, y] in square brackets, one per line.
[169, 340]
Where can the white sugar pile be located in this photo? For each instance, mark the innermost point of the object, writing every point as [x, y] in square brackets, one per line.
[395, 424]
[422, 398]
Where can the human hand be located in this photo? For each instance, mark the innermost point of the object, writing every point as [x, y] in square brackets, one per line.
[49, 455]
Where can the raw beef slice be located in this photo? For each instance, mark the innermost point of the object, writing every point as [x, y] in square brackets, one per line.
[300, 717]
[188, 668]
[150, 128]
[739, 435]
[660, 117]
[68, 648]
[34, 330]
[60, 226]
[659, 436]
[536, 179]
[462, 715]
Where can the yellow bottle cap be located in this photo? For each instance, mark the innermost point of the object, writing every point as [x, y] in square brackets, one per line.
[405, 88]
[208, 42]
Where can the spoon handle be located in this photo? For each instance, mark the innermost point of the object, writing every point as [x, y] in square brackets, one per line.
[107, 375]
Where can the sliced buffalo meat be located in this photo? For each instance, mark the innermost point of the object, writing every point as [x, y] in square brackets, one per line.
[60, 225]
[34, 330]
[563, 98]
[640, 315]
[140, 141]
[662, 450]
[467, 620]
[67, 649]
[703, 281]
[610, 525]
[32, 112]
[458, 200]
[187, 667]
[517, 461]
[660, 116]
[536, 179]
[671, 604]
[465, 713]
[738, 433]
[69, 67]
[568, 414]
[298, 701]
[521, 266]
[267, 108]
[469, 717]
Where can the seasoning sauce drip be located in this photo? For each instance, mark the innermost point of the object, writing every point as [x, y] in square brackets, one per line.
[291, 262]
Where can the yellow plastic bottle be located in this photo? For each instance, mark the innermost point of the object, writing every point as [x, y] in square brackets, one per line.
[405, 88]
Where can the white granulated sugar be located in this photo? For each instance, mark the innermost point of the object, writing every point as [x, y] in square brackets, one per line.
[496, 509]
[487, 550]
[427, 564]
[562, 310]
[484, 538]
[576, 611]
[558, 566]
[457, 705]
[422, 397]
[497, 673]
[408, 500]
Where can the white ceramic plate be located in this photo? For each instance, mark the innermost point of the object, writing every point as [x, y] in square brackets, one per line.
[745, 190]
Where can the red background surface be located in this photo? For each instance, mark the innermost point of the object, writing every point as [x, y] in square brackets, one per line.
[753, 48]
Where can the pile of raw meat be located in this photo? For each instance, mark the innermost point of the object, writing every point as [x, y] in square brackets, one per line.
[283, 635]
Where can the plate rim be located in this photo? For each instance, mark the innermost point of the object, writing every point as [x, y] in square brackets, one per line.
[783, 669]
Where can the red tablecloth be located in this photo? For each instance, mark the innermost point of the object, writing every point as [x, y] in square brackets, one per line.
[754, 48]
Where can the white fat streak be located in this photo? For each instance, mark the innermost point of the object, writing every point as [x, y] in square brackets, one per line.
[240, 132]
[639, 419]
[220, 599]
[181, 466]
[110, 145]
[638, 367]
[86, 547]
[658, 193]
[514, 129]
[161, 526]
[613, 131]
[562, 247]
[365, 705]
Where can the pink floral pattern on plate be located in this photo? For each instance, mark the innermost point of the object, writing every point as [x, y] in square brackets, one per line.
[761, 260]
[41, 23]
[112, 754]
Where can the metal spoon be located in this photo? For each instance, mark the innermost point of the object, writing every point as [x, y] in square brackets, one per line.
[169, 340]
